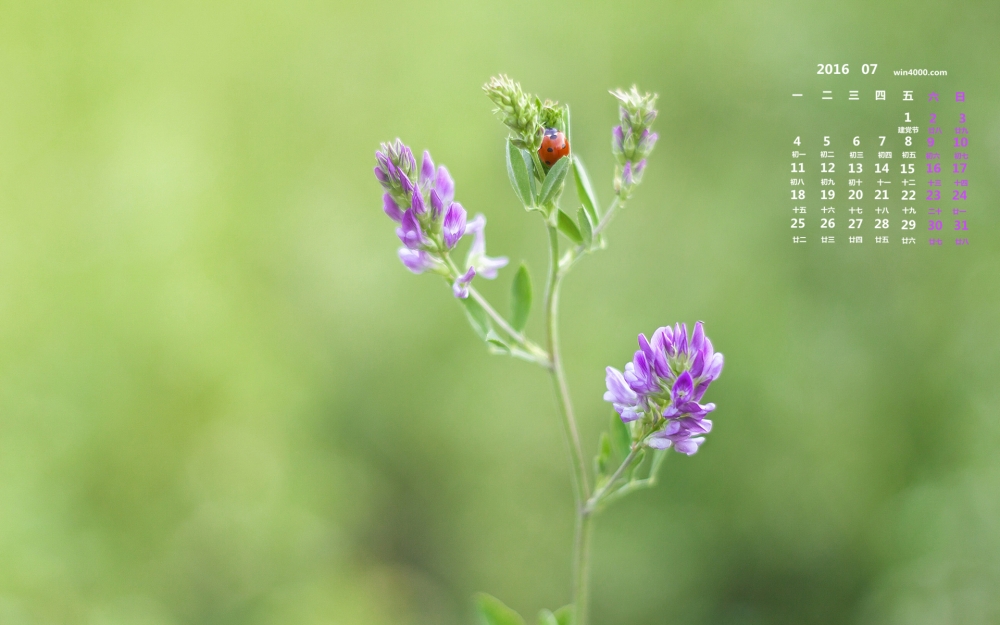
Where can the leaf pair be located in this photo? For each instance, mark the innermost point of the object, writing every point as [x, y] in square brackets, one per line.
[494, 612]
[581, 232]
[521, 170]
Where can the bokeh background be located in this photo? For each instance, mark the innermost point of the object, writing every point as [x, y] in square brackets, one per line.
[223, 400]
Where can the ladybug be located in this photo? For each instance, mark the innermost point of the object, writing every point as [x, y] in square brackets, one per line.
[554, 147]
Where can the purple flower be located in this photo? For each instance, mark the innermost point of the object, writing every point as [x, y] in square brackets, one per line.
[682, 399]
[664, 384]
[478, 263]
[426, 170]
[627, 174]
[409, 231]
[406, 159]
[437, 204]
[486, 266]
[417, 261]
[682, 434]
[406, 185]
[637, 170]
[395, 168]
[444, 185]
[419, 225]
[621, 395]
[640, 374]
[617, 140]
[646, 141]
[391, 208]
[383, 160]
[418, 203]
[460, 288]
[454, 225]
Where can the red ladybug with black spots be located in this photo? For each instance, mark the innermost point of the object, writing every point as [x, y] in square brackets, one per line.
[554, 147]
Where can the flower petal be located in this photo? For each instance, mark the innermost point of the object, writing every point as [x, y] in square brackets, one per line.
[426, 170]
[683, 387]
[409, 231]
[656, 442]
[618, 390]
[453, 228]
[689, 446]
[417, 204]
[391, 209]
[444, 185]
[417, 261]
[460, 288]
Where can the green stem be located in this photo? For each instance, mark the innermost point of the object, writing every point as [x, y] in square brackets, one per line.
[581, 488]
[599, 494]
[540, 356]
[558, 375]
[575, 254]
[608, 216]
[522, 341]
[631, 486]
[581, 581]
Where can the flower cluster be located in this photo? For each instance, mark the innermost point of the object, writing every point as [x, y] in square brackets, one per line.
[661, 388]
[430, 222]
[632, 141]
[520, 111]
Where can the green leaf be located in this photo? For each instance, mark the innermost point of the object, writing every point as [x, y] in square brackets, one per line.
[585, 190]
[497, 345]
[545, 617]
[564, 615]
[621, 438]
[554, 181]
[478, 318]
[520, 175]
[603, 454]
[520, 298]
[494, 612]
[567, 227]
[586, 229]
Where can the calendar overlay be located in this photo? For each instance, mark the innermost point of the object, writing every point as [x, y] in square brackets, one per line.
[906, 184]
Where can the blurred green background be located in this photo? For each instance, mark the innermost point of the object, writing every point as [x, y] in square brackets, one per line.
[223, 399]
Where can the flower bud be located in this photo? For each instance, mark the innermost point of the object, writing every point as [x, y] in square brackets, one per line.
[454, 225]
[417, 261]
[618, 143]
[519, 111]
[426, 170]
[418, 206]
[391, 208]
[396, 170]
[627, 175]
[460, 288]
[632, 140]
[437, 204]
[409, 231]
